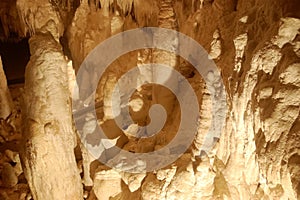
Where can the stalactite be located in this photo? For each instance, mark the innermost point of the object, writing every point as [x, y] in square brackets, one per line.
[40, 16]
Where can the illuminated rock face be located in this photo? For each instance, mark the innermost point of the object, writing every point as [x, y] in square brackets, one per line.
[49, 139]
[256, 46]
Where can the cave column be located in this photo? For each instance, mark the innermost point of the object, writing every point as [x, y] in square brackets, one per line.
[166, 19]
[47, 152]
[49, 139]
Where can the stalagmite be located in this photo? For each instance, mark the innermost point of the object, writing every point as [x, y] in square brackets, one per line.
[49, 139]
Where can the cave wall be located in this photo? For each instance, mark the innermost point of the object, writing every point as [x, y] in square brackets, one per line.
[255, 45]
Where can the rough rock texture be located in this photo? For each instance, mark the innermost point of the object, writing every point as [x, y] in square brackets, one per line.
[256, 46]
[49, 139]
[10, 20]
[107, 184]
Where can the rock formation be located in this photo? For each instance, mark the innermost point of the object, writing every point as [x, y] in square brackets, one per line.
[256, 47]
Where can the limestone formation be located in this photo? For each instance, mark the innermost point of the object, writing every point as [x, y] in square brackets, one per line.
[8, 176]
[49, 139]
[256, 48]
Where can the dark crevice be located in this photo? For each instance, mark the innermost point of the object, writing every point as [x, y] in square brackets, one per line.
[95, 3]
[133, 14]
[15, 56]
[65, 45]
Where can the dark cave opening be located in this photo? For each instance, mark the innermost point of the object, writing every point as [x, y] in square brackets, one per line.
[15, 56]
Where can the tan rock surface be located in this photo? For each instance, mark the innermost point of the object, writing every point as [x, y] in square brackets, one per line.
[49, 139]
[255, 45]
